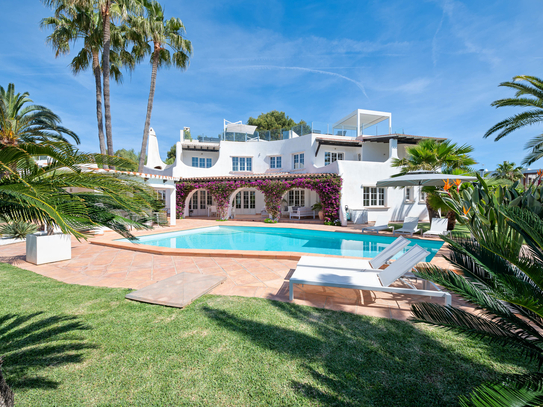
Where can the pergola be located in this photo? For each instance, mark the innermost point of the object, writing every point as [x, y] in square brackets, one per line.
[361, 119]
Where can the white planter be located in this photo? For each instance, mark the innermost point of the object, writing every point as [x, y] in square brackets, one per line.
[43, 248]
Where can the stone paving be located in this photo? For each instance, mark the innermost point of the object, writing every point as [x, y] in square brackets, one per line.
[248, 277]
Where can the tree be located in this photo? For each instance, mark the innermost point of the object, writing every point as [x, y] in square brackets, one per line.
[170, 155]
[529, 95]
[67, 193]
[71, 22]
[152, 27]
[500, 274]
[130, 157]
[273, 120]
[508, 171]
[22, 122]
[435, 156]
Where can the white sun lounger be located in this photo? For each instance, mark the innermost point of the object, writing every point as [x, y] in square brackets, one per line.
[409, 226]
[356, 264]
[372, 280]
[438, 227]
[380, 224]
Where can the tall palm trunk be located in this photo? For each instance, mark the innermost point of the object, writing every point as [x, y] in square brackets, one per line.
[99, 114]
[143, 154]
[432, 213]
[105, 71]
[451, 216]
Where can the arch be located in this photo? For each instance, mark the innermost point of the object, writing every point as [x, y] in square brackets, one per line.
[186, 209]
[238, 190]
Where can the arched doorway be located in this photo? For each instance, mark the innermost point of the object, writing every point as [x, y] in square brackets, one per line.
[199, 203]
[247, 201]
[298, 197]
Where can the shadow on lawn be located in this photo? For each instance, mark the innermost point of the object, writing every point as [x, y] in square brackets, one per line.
[32, 342]
[356, 361]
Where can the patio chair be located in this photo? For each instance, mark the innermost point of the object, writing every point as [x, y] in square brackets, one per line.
[380, 224]
[371, 280]
[438, 227]
[356, 264]
[409, 226]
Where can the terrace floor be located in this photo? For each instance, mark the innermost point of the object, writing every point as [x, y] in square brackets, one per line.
[97, 265]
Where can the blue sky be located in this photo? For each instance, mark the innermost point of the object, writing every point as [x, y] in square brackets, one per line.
[435, 65]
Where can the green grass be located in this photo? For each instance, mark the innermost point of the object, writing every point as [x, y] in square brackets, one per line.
[68, 345]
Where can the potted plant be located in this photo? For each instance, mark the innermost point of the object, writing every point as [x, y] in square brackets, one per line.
[319, 208]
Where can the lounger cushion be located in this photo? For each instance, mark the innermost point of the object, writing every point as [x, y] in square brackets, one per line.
[333, 277]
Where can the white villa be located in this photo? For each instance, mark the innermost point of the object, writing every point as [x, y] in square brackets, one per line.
[343, 148]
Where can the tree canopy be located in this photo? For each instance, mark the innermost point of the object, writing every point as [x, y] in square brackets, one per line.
[273, 120]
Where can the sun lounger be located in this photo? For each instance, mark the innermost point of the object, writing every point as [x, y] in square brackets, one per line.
[409, 226]
[380, 224]
[356, 264]
[438, 227]
[372, 280]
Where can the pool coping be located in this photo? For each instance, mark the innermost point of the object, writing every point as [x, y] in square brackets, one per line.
[112, 241]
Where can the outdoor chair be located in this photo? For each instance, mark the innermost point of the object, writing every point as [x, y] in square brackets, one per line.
[410, 225]
[356, 264]
[380, 224]
[438, 227]
[368, 279]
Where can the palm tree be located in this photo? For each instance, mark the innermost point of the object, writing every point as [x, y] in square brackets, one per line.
[68, 193]
[162, 33]
[502, 278]
[72, 22]
[108, 10]
[22, 122]
[528, 95]
[508, 171]
[435, 156]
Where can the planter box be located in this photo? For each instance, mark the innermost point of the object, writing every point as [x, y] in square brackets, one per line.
[43, 248]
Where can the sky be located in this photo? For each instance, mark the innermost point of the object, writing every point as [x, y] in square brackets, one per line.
[435, 65]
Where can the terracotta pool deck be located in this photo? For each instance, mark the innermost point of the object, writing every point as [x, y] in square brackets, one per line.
[264, 277]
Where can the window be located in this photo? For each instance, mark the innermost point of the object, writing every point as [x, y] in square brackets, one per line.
[248, 198]
[298, 161]
[209, 199]
[372, 196]
[331, 157]
[275, 162]
[201, 162]
[203, 199]
[242, 164]
[296, 197]
[409, 194]
[422, 196]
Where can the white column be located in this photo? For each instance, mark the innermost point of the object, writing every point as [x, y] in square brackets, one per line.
[392, 149]
[357, 124]
[171, 203]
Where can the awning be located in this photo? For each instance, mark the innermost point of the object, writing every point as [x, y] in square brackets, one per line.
[430, 179]
[240, 128]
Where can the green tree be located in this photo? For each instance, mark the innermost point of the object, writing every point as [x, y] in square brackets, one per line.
[152, 27]
[501, 271]
[436, 156]
[23, 122]
[170, 155]
[273, 120]
[72, 22]
[508, 171]
[528, 95]
[131, 159]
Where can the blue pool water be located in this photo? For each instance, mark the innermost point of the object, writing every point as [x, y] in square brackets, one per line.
[280, 240]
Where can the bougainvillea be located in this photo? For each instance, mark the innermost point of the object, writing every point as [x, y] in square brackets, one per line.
[327, 187]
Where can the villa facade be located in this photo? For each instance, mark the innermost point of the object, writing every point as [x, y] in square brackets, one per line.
[243, 154]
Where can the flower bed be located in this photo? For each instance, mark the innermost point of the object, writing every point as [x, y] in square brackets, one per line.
[327, 187]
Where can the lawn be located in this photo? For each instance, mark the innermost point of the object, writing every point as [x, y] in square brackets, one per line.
[68, 345]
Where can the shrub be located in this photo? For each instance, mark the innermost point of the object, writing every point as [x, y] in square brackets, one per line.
[18, 229]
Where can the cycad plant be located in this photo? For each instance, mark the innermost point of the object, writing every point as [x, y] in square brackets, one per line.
[529, 95]
[70, 193]
[500, 272]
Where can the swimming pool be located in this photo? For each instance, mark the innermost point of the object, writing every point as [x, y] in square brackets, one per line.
[242, 238]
